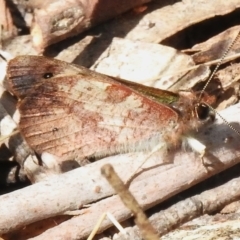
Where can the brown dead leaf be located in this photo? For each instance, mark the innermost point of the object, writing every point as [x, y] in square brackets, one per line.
[168, 20]
[229, 76]
[147, 63]
[215, 47]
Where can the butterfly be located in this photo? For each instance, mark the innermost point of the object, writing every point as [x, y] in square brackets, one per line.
[75, 113]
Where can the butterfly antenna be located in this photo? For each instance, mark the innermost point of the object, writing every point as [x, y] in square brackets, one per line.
[224, 120]
[218, 65]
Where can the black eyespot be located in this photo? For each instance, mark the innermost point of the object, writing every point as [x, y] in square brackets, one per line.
[204, 112]
[47, 75]
[55, 129]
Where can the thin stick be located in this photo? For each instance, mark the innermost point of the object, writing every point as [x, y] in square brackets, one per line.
[148, 232]
[96, 227]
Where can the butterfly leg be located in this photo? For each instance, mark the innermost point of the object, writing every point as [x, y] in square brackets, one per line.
[198, 147]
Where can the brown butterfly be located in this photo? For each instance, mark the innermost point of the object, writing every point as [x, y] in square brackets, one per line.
[74, 113]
